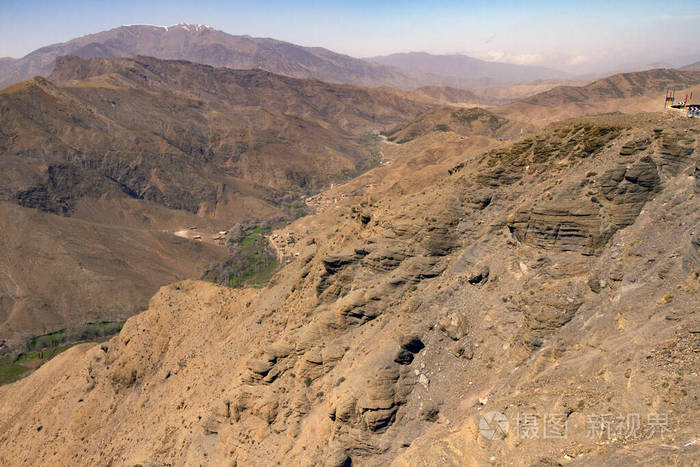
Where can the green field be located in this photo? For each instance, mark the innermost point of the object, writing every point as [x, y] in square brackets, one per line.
[251, 264]
[256, 265]
[41, 349]
[89, 332]
[13, 367]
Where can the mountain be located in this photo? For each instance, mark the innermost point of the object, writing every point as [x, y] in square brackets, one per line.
[254, 123]
[173, 144]
[464, 121]
[120, 154]
[692, 67]
[508, 93]
[464, 71]
[534, 279]
[450, 95]
[626, 92]
[203, 44]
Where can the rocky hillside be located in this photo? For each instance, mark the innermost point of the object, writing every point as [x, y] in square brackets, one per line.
[535, 278]
[160, 146]
[463, 121]
[625, 92]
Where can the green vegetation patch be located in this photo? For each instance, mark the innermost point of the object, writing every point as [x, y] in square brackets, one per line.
[30, 358]
[10, 371]
[89, 332]
[370, 162]
[255, 274]
[471, 115]
[252, 263]
[297, 209]
[14, 367]
[413, 134]
[256, 264]
[466, 115]
[41, 349]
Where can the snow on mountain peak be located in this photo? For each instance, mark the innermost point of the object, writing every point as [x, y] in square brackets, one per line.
[190, 27]
[184, 26]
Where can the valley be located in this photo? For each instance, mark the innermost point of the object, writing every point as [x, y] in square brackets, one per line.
[118, 165]
[220, 249]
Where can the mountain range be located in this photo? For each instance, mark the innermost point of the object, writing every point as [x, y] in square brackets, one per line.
[204, 44]
[303, 272]
[145, 148]
[464, 71]
[624, 92]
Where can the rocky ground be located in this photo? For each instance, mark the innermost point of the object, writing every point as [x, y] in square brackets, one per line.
[552, 280]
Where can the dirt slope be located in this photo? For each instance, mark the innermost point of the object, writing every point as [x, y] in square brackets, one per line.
[59, 272]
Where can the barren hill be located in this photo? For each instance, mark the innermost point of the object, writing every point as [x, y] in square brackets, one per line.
[456, 96]
[625, 92]
[692, 67]
[62, 272]
[464, 121]
[536, 278]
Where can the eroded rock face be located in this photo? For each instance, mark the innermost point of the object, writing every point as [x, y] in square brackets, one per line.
[394, 331]
[581, 224]
[567, 226]
[628, 187]
[675, 151]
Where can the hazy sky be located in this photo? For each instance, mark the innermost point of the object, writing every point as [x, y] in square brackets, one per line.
[575, 36]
